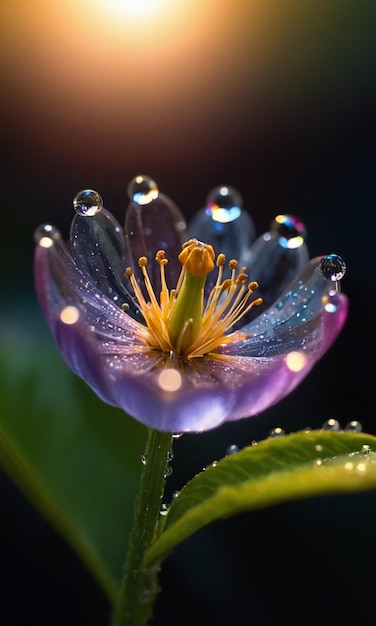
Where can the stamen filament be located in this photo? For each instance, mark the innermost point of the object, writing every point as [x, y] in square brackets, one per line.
[179, 322]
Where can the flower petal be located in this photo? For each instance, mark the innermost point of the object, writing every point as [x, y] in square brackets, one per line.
[273, 264]
[80, 318]
[157, 225]
[98, 249]
[295, 317]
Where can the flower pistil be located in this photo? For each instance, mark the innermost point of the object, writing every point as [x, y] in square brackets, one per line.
[179, 322]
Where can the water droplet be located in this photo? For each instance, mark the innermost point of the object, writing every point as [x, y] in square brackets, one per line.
[276, 432]
[366, 449]
[333, 267]
[331, 424]
[224, 204]
[142, 190]
[46, 234]
[170, 455]
[214, 464]
[354, 426]
[164, 509]
[318, 447]
[232, 449]
[290, 230]
[143, 459]
[87, 203]
[177, 435]
[168, 471]
[175, 494]
[254, 443]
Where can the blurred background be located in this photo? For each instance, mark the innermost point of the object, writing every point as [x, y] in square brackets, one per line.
[278, 100]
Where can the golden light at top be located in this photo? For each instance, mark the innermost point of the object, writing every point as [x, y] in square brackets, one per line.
[135, 7]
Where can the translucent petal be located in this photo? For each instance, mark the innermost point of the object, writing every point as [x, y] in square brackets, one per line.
[273, 265]
[98, 249]
[62, 288]
[156, 225]
[294, 322]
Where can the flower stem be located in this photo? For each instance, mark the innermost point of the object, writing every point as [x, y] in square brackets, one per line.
[139, 587]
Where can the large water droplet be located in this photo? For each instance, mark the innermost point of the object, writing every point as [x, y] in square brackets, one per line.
[354, 426]
[87, 203]
[46, 234]
[224, 204]
[225, 225]
[331, 424]
[290, 230]
[142, 190]
[333, 267]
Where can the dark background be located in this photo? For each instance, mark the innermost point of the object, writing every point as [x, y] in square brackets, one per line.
[278, 100]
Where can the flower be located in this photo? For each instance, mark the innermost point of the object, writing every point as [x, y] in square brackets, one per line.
[164, 327]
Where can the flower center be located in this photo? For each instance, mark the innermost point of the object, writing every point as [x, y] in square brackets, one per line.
[179, 321]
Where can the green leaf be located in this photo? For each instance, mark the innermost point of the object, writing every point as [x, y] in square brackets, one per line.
[293, 466]
[75, 458]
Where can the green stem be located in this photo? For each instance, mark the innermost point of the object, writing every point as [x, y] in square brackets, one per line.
[139, 587]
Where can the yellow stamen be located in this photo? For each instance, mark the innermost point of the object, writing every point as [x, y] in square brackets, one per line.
[179, 322]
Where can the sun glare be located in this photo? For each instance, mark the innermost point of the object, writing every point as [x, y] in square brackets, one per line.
[136, 7]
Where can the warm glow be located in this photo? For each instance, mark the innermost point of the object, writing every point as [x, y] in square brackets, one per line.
[170, 380]
[127, 78]
[136, 7]
[69, 315]
[295, 361]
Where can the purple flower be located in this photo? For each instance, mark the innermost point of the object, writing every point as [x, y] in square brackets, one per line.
[174, 336]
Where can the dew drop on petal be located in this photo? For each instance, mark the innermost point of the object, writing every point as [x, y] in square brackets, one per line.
[175, 494]
[143, 459]
[224, 204]
[142, 190]
[331, 424]
[232, 449]
[354, 426]
[290, 229]
[46, 235]
[87, 203]
[333, 267]
[276, 432]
